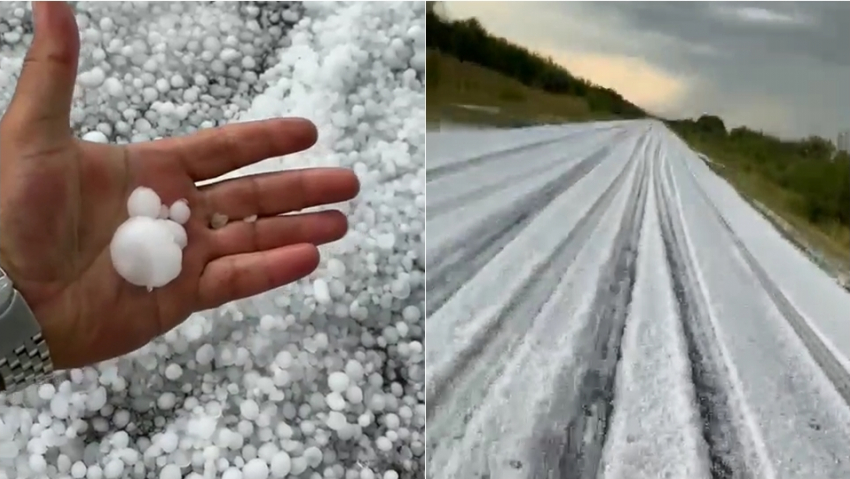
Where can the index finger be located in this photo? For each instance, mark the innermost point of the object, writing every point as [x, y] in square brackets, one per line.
[211, 153]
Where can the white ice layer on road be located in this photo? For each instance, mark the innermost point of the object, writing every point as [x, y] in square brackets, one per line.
[473, 307]
[824, 303]
[575, 340]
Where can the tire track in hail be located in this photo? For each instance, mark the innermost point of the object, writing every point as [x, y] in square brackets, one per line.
[461, 388]
[470, 253]
[711, 388]
[575, 426]
[457, 166]
[441, 207]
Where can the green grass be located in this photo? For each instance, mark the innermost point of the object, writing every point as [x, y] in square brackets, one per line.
[451, 83]
[830, 239]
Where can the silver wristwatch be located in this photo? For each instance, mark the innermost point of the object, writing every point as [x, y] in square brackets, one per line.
[24, 357]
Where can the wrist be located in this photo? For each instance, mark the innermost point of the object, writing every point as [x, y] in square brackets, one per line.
[24, 357]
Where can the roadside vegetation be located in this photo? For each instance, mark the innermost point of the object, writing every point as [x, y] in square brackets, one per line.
[806, 182]
[464, 92]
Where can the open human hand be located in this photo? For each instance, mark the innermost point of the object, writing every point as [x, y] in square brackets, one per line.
[62, 199]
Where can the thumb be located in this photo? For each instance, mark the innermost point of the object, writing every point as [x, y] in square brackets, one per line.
[41, 106]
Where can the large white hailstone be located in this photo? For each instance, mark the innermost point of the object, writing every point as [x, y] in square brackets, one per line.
[145, 253]
[144, 201]
[175, 407]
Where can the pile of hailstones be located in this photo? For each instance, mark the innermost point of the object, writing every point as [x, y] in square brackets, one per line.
[321, 379]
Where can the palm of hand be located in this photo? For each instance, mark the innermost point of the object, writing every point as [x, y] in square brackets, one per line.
[62, 199]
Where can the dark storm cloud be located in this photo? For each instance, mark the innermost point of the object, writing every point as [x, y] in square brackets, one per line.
[779, 66]
[817, 30]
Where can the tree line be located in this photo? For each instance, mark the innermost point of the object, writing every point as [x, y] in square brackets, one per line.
[810, 167]
[468, 41]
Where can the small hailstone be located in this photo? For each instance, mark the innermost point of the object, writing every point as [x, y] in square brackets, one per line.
[166, 401]
[336, 268]
[386, 241]
[113, 86]
[94, 472]
[231, 473]
[321, 292]
[92, 78]
[78, 470]
[354, 394]
[169, 442]
[59, 406]
[383, 444]
[335, 401]
[336, 420]
[37, 463]
[364, 420]
[170, 471]
[96, 399]
[46, 391]
[313, 455]
[402, 329]
[144, 202]
[391, 421]
[249, 409]
[95, 136]
[411, 314]
[283, 359]
[180, 212]
[255, 469]
[338, 381]
[308, 428]
[280, 465]
[218, 221]
[173, 372]
[114, 469]
[378, 403]
[299, 465]
[251, 219]
[205, 354]
[354, 370]
[390, 475]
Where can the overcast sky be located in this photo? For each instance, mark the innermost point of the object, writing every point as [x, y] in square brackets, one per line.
[781, 67]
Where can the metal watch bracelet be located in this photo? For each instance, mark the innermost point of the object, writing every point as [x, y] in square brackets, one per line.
[24, 356]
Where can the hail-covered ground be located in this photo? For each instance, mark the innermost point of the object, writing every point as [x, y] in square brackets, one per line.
[320, 379]
[601, 304]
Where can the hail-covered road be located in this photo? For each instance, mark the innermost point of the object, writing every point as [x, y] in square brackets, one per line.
[601, 304]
